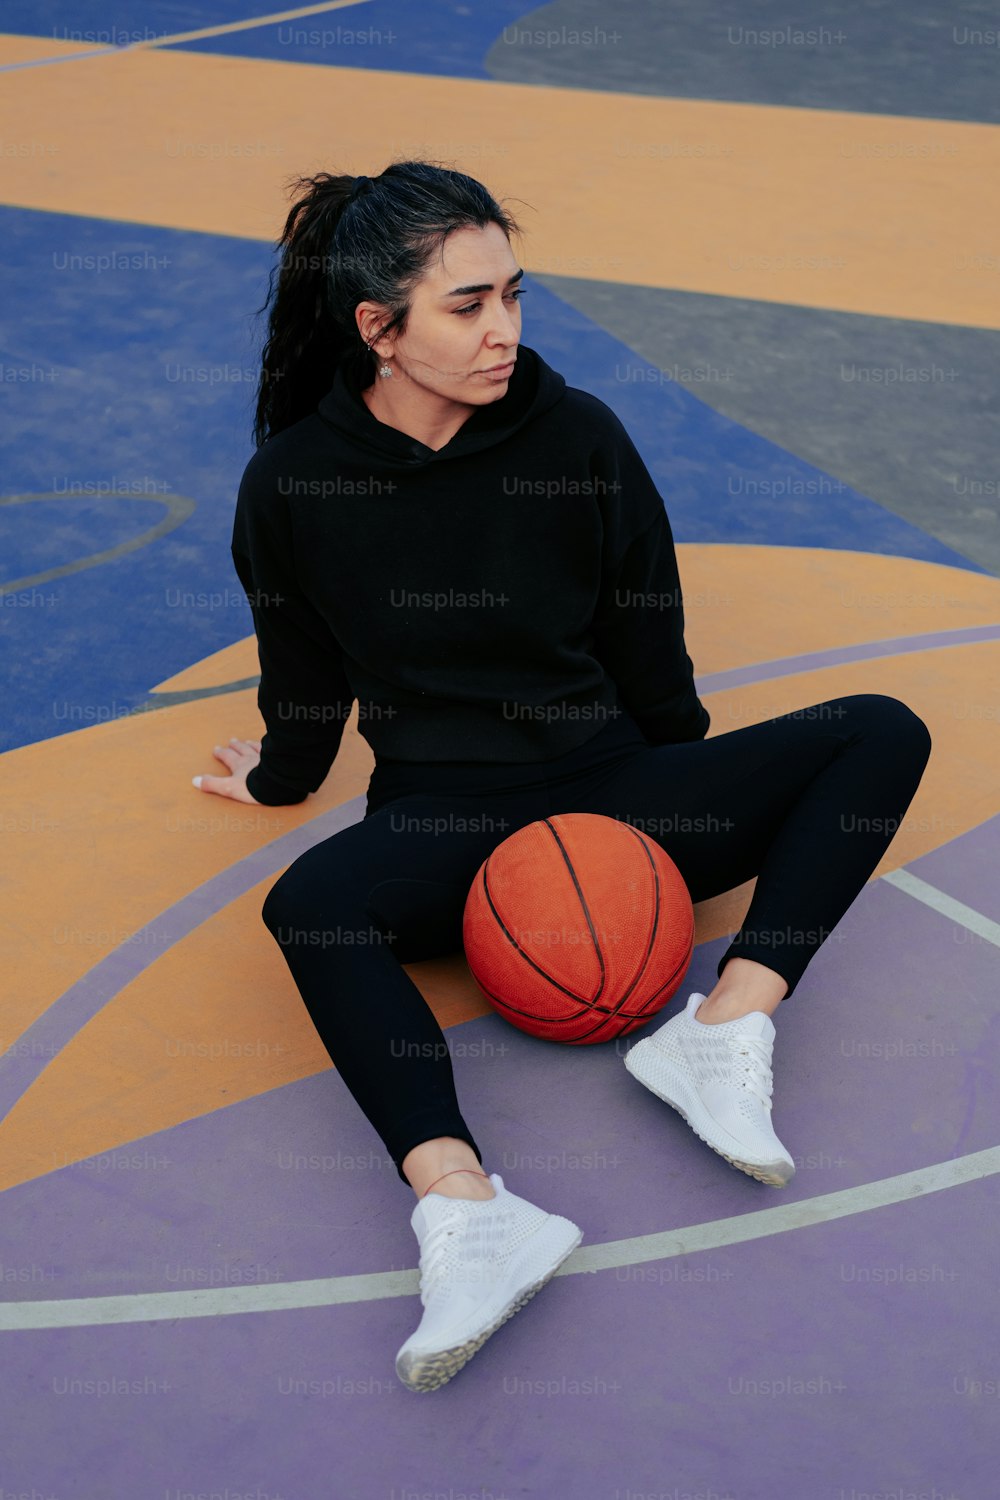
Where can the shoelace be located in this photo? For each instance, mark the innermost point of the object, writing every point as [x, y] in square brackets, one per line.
[433, 1256]
[730, 1059]
[750, 1062]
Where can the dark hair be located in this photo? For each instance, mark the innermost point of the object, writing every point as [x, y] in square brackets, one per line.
[348, 240]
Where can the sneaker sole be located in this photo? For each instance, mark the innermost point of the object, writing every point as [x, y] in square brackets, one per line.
[774, 1174]
[426, 1371]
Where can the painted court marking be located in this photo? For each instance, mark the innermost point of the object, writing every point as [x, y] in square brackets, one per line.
[206, 1302]
[729, 677]
[956, 911]
[663, 1245]
[94, 989]
[145, 43]
[836, 656]
[178, 509]
[22, 1062]
[20, 1065]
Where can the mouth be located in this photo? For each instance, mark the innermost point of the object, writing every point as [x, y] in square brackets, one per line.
[504, 369]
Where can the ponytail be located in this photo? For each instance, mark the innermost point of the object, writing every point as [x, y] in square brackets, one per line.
[304, 342]
[348, 240]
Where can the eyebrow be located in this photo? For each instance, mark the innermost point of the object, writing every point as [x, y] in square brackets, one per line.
[485, 286]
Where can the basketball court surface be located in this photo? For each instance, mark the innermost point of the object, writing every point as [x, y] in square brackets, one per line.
[771, 246]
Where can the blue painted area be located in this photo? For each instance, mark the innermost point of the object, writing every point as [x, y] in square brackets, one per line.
[437, 37]
[135, 353]
[122, 21]
[139, 351]
[66, 527]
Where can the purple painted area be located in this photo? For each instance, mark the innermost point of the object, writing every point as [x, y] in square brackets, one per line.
[967, 868]
[840, 1359]
[880, 1068]
[838, 656]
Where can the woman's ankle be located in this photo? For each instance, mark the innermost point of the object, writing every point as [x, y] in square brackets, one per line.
[454, 1162]
[463, 1184]
[743, 986]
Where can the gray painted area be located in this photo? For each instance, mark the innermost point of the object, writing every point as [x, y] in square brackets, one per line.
[908, 413]
[924, 59]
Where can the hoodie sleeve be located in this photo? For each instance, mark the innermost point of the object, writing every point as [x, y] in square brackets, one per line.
[638, 625]
[304, 696]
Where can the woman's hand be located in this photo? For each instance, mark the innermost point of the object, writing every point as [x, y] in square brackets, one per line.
[240, 757]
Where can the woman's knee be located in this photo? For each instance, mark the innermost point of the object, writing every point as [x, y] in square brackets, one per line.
[279, 906]
[308, 889]
[889, 717]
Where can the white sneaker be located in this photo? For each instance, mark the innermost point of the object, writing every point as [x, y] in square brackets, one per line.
[480, 1262]
[719, 1078]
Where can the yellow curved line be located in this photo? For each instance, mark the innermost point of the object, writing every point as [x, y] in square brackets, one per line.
[178, 507]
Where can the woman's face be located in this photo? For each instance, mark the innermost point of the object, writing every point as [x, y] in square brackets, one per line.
[464, 321]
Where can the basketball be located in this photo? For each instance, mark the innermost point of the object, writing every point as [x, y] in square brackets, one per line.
[578, 928]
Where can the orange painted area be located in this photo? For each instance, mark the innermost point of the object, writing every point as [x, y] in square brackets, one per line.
[111, 833]
[24, 49]
[732, 199]
[746, 604]
[953, 689]
[217, 1020]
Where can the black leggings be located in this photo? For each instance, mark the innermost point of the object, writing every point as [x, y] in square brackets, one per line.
[807, 802]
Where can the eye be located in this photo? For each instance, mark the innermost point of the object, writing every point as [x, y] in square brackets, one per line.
[474, 306]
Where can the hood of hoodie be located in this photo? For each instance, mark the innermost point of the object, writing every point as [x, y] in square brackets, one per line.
[533, 388]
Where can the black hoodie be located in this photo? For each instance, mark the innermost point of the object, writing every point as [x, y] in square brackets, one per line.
[494, 600]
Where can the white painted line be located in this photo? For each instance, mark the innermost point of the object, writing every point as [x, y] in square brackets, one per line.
[755, 1226]
[956, 911]
[248, 25]
[145, 44]
[210, 1302]
[46, 62]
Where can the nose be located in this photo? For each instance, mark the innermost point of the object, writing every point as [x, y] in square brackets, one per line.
[505, 326]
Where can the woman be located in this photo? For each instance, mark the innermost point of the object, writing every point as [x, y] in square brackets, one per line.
[436, 525]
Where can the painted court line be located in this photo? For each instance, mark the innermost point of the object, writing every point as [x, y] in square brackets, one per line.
[251, 24]
[206, 1302]
[720, 682]
[837, 656]
[45, 1038]
[955, 911]
[145, 43]
[64, 57]
[178, 508]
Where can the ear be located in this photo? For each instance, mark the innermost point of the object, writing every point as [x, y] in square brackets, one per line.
[369, 317]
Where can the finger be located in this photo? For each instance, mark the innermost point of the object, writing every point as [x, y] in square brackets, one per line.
[220, 785]
[226, 754]
[255, 744]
